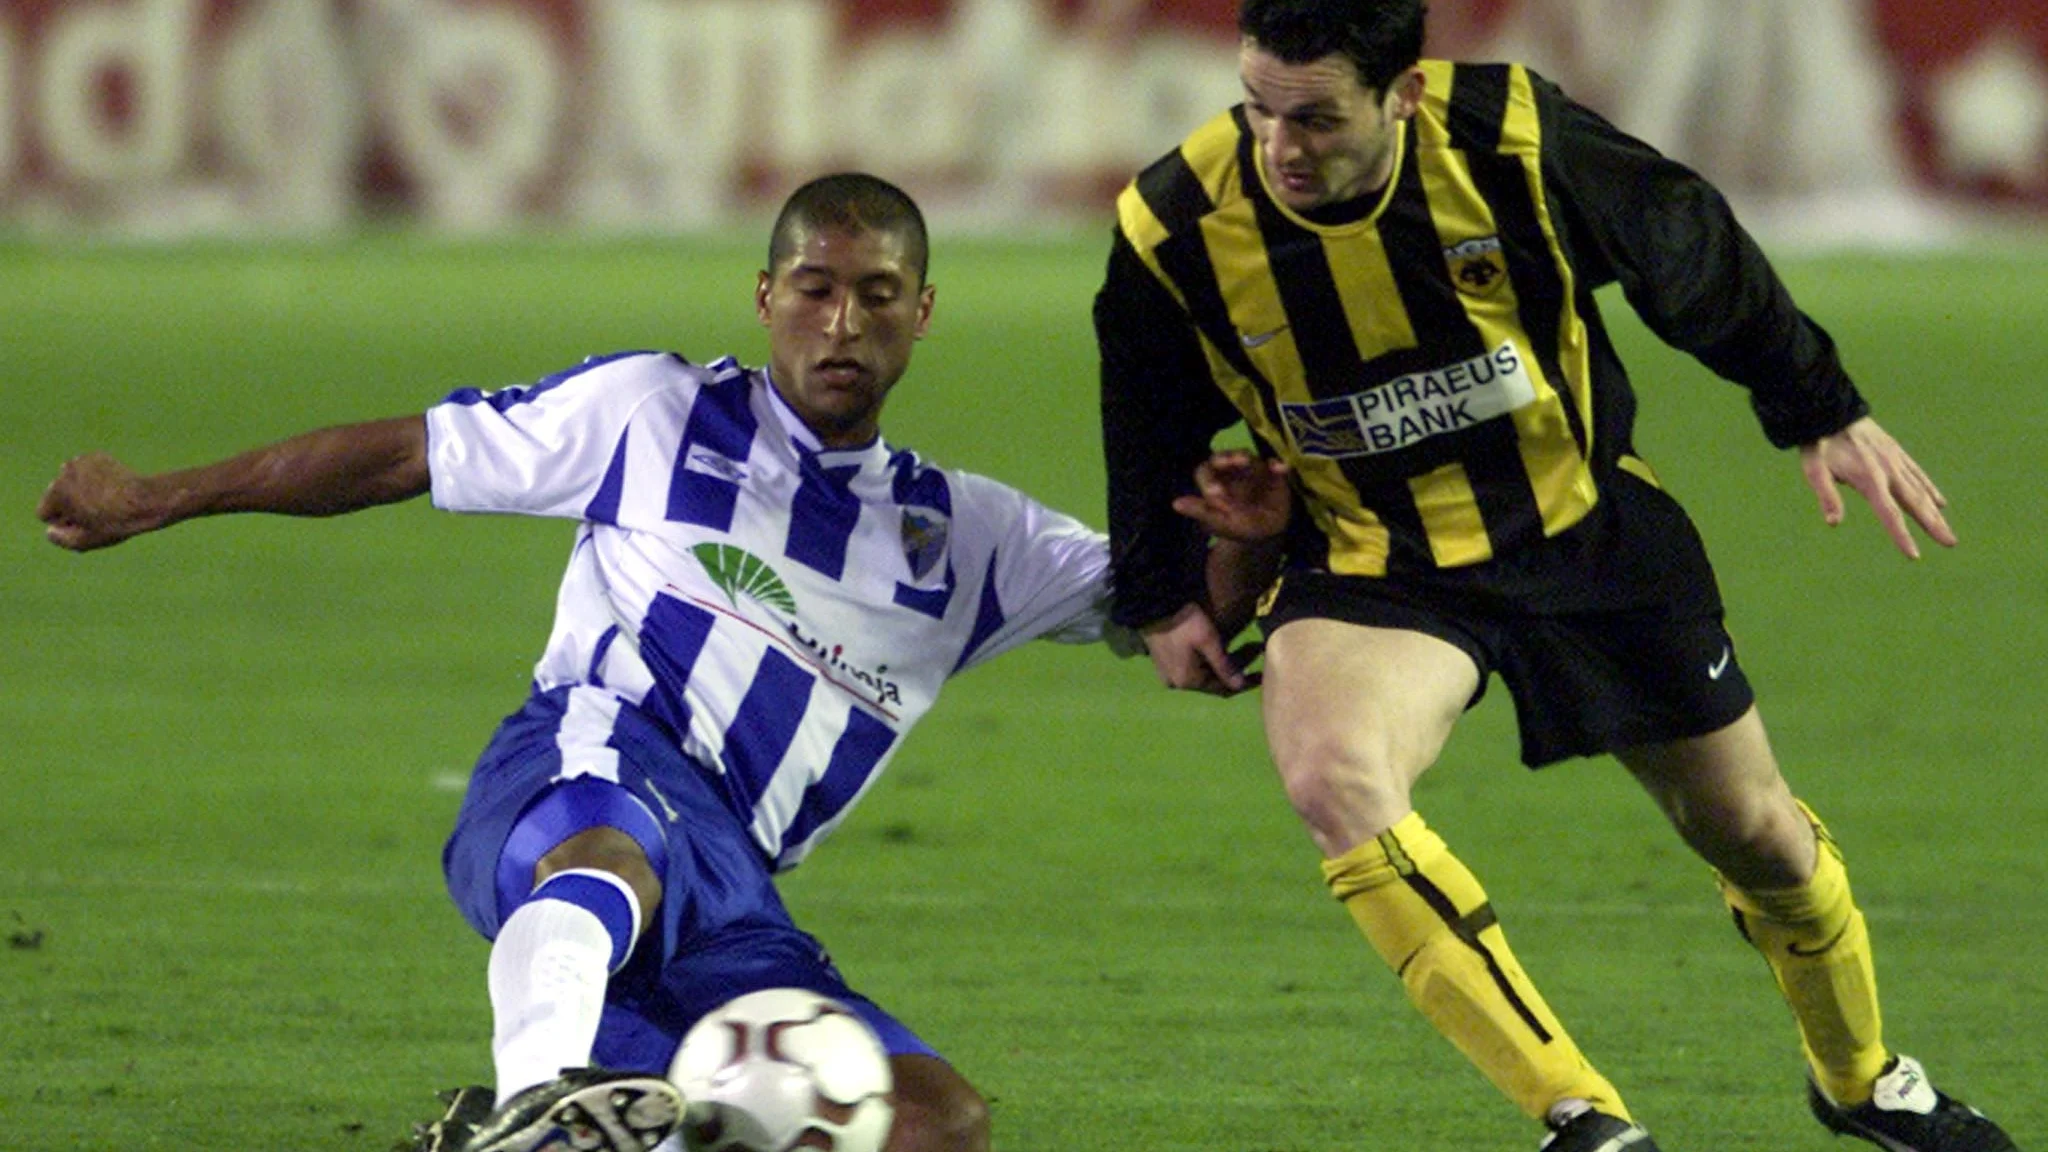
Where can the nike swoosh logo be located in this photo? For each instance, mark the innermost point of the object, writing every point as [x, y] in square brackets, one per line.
[1715, 669]
[1253, 340]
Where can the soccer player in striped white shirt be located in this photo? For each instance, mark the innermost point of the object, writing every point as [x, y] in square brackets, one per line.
[763, 596]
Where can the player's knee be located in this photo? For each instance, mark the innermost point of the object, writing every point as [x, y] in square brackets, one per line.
[1341, 793]
[1312, 790]
[584, 824]
[1754, 842]
[938, 1113]
[1778, 849]
[604, 849]
[961, 1126]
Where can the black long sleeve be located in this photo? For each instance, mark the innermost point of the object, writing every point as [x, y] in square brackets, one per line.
[1160, 411]
[1697, 279]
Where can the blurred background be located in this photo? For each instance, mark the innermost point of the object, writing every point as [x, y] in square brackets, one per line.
[1832, 121]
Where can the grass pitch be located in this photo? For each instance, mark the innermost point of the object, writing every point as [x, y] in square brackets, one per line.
[229, 753]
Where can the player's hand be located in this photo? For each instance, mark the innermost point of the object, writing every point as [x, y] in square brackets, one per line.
[95, 501]
[1239, 496]
[1864, 456]
[1188, 654]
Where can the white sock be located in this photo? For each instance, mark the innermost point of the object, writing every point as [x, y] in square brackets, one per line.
[548, 972]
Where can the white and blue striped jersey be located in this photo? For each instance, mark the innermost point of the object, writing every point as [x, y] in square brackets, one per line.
[788, 610]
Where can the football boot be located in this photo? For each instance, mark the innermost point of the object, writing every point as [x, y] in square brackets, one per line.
[1906, 1114]
[584, 1110]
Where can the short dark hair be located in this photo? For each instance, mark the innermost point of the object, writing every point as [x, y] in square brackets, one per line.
[1381, 38]
[850, 200]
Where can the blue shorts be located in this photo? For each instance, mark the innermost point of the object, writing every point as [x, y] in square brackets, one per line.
[722, 928]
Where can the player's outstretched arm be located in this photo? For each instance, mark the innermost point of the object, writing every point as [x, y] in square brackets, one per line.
[97, 501]
[1864, 456]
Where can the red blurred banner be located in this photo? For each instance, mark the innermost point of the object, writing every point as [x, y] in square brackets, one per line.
[199, 116]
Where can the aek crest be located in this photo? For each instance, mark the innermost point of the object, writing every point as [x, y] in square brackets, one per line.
[1477, 266]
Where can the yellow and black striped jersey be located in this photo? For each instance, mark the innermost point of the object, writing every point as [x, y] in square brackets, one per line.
[1429, 358]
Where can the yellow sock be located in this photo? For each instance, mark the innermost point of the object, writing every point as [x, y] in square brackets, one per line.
[1815, 940]
[1427, 917]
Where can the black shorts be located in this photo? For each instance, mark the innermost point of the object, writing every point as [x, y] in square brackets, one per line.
[1608, 635]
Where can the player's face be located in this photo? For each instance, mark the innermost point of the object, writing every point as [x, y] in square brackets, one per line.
[842, 313]
[1324, 137]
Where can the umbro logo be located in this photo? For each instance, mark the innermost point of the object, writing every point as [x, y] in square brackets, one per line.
[711, 463]
[1252, 340]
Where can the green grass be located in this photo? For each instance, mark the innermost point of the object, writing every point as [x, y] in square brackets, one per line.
[226, 752]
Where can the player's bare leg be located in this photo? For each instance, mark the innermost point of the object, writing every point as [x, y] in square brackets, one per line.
[937, 1110]
[1784, 878]
[1354, 716]
[1725, 796]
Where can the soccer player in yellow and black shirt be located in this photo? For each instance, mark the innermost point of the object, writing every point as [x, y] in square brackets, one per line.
[1384, 267]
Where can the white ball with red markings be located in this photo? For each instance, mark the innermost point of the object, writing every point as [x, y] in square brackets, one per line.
[781, 1070]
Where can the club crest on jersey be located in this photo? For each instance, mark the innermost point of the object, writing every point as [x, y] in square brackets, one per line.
[1477, 266]
[924, 540]
[739, 572]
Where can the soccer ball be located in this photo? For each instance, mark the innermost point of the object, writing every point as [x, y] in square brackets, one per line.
[781, 1070]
